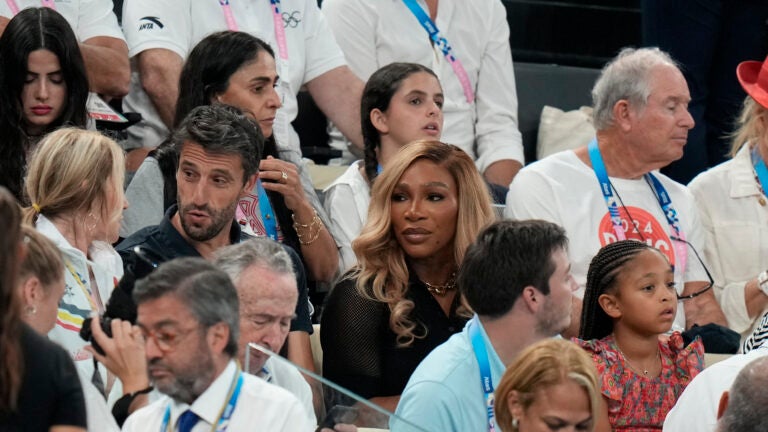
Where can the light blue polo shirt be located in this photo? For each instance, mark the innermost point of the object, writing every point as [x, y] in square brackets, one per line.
[445, 393]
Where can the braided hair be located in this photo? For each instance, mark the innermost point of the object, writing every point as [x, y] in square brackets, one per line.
[377, 94]
[601, 279]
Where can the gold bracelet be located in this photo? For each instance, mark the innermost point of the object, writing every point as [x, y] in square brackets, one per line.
[312, 239]
[314, 221]
[305, 230]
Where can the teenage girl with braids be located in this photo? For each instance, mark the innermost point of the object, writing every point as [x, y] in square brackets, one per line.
[629, 304]
[401, 103]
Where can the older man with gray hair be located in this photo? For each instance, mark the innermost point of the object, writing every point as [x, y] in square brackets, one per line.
[611, 190]
[742, 409]
[188, 313]
[262, 272]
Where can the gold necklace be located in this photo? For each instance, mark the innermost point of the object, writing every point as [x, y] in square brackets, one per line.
[629, 363]
[443, 289]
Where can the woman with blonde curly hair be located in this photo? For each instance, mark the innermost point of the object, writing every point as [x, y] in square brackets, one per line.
[552, 385]
[400, 301]
[75, 186]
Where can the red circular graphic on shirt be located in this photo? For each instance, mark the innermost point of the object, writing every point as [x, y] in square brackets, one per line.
[641, 226]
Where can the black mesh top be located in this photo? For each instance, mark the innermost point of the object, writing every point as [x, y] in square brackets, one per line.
[359, 348]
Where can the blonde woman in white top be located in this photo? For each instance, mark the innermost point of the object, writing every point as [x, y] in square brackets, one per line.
[734, 210]
[75, 185]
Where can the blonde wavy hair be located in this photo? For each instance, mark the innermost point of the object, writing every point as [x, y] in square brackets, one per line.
[544, 364]
[74, 171]
[750, 125]
[381, 271]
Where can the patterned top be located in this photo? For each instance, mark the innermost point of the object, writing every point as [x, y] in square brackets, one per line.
[637, 403]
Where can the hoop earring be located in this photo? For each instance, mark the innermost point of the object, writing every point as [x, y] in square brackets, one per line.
[514, 424]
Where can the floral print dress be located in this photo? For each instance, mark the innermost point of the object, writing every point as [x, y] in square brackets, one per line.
[635, 402]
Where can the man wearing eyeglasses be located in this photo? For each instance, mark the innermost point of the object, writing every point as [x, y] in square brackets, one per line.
[611, 189]
[188, 313]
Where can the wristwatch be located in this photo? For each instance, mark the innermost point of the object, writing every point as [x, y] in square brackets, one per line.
[762, 282]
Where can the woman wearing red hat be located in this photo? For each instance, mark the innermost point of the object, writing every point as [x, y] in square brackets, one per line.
[734, 210]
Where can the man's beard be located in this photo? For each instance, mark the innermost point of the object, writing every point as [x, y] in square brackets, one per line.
[187, 385]
[553, 321]
[220, 219]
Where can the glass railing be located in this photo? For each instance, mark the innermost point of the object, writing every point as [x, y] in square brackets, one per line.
[335, 406]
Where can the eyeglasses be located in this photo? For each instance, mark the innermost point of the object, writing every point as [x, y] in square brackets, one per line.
[706, 270]
[166, 340]
[673, 238]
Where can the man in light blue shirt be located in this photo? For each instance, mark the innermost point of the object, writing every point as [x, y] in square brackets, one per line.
[517, 279]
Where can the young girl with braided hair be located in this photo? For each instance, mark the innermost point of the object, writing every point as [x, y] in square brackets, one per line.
[629, 306]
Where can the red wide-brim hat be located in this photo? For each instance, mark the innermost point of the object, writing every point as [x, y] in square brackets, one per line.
[753, 76]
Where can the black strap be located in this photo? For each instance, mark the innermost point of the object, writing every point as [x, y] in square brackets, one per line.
[120, 409]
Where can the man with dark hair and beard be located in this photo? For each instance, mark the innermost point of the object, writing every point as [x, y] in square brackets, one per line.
[188, 313]
[219, 151]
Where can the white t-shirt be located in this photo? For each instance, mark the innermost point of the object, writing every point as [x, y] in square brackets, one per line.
[88, 18]
[346, 202]
[178, 25]
[696, 409]
[564, 190]
[376, 33]
[260, 407]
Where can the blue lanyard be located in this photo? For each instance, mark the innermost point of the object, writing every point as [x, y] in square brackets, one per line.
[266, 375]
[760, 169]
[665, 202]
[442, 43]
[223, 422]
[598, 166]
[478, 345]
[267, 214]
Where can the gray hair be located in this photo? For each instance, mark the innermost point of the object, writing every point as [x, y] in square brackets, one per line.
[222, 129]
[626, 77]
[259, 251]
[747, 400]
[205, 290]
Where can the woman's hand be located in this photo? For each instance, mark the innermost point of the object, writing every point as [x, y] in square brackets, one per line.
[124, 353]
[321, 255]
[283, 177]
